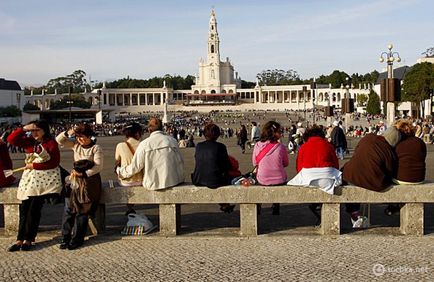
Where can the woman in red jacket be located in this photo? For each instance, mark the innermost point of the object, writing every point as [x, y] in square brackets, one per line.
[317, 165]
[5, 164]
[40, 178]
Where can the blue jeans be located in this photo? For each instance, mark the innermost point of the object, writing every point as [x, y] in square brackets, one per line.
[340, 152]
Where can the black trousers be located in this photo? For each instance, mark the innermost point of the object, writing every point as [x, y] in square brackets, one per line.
[30, 216]
[74, 225]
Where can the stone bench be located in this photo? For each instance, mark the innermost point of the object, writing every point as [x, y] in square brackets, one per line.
[170, 200]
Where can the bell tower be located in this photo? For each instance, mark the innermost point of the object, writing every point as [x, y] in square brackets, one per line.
[213, 41]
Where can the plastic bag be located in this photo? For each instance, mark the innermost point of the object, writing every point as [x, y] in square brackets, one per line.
[138, 224]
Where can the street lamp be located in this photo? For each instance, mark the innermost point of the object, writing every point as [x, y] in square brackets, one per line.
[304, 101]
[390, 57]
[313, 87]
[70, 103]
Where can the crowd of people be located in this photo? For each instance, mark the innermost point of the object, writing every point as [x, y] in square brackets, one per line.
[394, 154]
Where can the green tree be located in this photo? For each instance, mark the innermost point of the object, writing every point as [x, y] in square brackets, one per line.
[30, 107]
[373, 106]
[418, 84]
[77, 101]
[362, 99]
[10, 111]
[247, 84]
[77, 80]
[278, 77]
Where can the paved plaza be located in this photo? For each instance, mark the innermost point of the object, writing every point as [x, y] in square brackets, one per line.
[209, 248]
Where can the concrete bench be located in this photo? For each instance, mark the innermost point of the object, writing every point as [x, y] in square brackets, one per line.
[169, 201]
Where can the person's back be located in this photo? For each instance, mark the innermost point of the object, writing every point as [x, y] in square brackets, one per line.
[372, 164]
[411, 152]
[271, 168]
[164, 166]
[159, 157]
[125, 151]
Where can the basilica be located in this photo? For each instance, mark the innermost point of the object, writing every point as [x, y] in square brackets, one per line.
[217, 87]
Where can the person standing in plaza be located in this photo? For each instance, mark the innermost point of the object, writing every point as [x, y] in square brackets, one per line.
[271, 157]
[40, 178]
[159, 159]
[242, 138]
[255, 133]
[124, 154]
[84, 183]
[338, 140]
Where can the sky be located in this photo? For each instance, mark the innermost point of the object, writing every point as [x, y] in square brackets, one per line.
[109, 40]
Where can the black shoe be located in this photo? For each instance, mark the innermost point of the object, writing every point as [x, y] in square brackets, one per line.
[275, 209]
[26, 247]
[316, 210]
[64, 243]
[74, 245]
[14, 248]
[227, 208]
[392, 209]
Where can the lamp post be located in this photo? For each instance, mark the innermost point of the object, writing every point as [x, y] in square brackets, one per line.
[313, 87]
[347, 96]
[70, 103]
[304, 101]
[390, 57]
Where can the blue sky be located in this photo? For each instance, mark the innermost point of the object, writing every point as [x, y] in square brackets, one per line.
[40, 40]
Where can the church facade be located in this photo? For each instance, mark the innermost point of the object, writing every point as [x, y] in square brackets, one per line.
[217, 87]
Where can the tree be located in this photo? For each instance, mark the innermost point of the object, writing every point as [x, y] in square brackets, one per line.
[247, 84]
[278, 77]
[362, 99]
[373, 106]
[77, 101]
[77, 80]
[418, 84]
[10, 111]
[30, 107]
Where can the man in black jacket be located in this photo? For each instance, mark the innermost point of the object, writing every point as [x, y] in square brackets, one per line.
[339, 140]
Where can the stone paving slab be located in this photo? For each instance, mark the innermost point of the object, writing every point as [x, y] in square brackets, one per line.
[265, 258]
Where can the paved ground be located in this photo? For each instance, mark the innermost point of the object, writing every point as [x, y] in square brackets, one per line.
[209, 249]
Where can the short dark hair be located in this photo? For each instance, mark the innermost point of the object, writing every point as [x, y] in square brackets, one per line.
[211, 131]
[132, 129]
[269, 131]
[314, 131]
[42, 124]
[84, 129]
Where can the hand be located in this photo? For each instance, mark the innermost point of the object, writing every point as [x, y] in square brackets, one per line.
[71, 132]
[29, 166]
[76, 174]
[29, 127]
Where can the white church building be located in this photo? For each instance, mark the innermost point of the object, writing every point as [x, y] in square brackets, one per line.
[217, 86]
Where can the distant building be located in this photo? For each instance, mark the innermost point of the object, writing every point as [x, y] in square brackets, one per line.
[217, 87]
[11, 93]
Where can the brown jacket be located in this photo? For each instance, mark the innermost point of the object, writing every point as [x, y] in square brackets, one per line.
[411, 153]
[372, 164]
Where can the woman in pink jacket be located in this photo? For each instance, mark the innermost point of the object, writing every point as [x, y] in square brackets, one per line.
[271, 158]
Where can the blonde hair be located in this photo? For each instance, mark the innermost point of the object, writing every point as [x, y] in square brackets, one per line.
[406, 127]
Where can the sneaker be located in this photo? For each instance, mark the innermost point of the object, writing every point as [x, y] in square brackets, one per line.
[361, 222]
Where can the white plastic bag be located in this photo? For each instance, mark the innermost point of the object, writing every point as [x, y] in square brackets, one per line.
[138, 224]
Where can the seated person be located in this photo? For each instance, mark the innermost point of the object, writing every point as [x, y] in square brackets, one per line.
[124, 154]
[5, 164]
[317, 165]
[212, 163]
[371, 167]
[411, 152]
